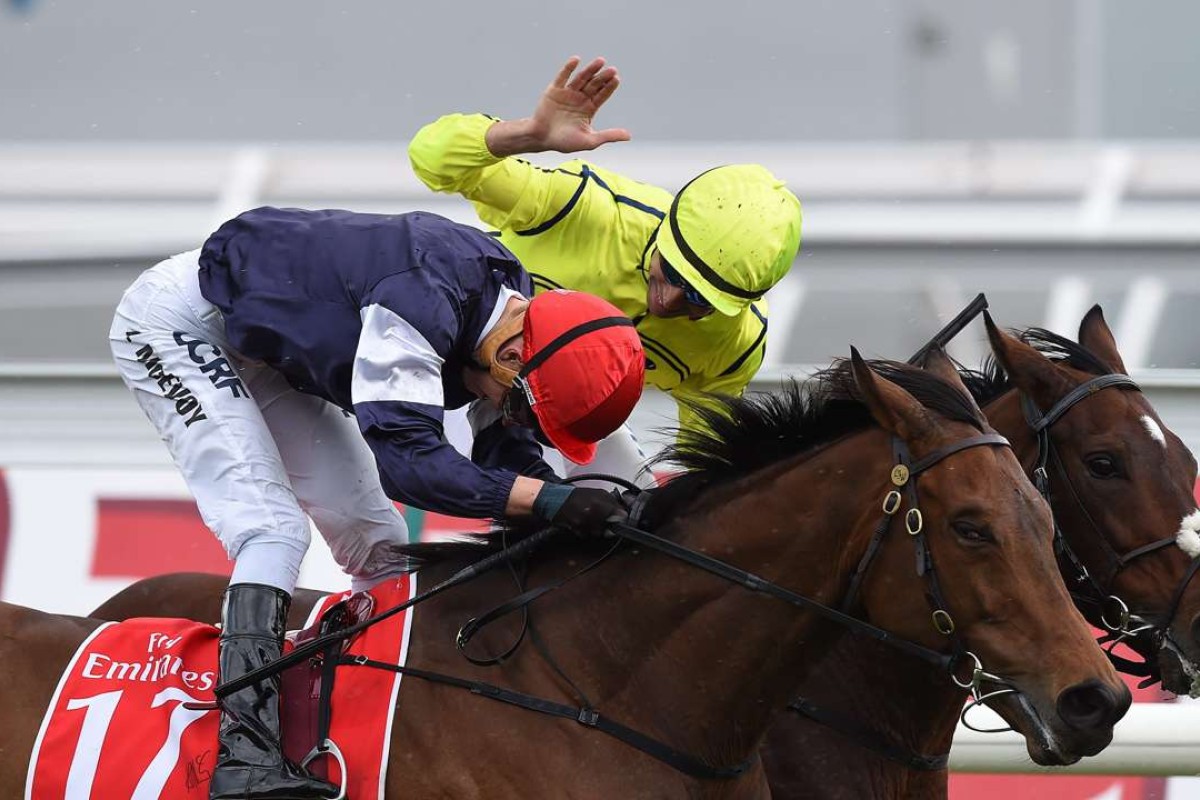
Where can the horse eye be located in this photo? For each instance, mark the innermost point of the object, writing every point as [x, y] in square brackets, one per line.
[971, 532]
[1103, 466]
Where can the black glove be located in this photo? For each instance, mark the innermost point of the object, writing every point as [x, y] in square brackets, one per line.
[578, 508]
[635, 501]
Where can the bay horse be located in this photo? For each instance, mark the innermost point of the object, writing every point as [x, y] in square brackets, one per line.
[789, 488]
[1121, 490]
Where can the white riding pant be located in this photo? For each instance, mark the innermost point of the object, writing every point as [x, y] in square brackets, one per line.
[256, 454]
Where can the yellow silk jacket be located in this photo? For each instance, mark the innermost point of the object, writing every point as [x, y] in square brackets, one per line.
[585, 228]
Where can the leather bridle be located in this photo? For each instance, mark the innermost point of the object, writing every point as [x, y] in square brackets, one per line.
[904, 476]
[1114, 613]
[1121, 624]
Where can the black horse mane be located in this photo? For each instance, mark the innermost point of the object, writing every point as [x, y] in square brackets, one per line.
[990, 381]
[738, 436]
[741, 435]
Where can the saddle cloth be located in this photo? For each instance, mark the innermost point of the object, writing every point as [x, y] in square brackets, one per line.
[124, 721]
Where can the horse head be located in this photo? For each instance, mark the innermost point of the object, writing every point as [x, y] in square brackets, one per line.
[987, 586]
[1123, 484]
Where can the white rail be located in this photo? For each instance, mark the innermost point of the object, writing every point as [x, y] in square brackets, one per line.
[1159, 739]
[144, 198]
[63, 414]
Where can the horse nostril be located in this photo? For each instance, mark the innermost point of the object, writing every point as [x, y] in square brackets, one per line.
[1090, 705]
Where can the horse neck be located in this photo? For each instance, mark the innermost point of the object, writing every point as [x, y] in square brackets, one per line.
[904, 700]
[704, 662]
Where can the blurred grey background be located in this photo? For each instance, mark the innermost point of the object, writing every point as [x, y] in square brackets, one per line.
[762, 70]
[1046, 153]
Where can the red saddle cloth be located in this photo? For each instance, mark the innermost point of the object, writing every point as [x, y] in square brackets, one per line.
[130, 716]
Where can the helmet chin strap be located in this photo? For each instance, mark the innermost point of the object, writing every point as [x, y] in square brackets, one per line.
[512, 323]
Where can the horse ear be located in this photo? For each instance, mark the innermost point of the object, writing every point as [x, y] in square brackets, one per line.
[1095, 335]
[940, 364]
[892, 407]
[1029, 370]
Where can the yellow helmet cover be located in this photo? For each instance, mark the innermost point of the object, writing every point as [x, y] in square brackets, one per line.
[732, 233]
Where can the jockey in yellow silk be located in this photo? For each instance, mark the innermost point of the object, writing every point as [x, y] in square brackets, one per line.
[691, 270]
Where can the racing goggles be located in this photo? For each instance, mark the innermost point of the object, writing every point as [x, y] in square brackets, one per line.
[516, 409]
[671, 276]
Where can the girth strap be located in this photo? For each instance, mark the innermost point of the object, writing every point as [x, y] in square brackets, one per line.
[588, 717]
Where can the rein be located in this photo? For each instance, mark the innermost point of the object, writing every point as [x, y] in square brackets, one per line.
[943, 622]
[314, 647]
[867, 737]
[1115, 614]
[903, 475]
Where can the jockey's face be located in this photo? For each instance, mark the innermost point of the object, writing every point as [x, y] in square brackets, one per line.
[483, 385]
[664, 299]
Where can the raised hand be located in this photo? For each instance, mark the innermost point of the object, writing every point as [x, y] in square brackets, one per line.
[562, 120]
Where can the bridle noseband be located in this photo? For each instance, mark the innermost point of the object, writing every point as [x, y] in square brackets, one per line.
[904, 491]
[904, 476]
[1114, 613]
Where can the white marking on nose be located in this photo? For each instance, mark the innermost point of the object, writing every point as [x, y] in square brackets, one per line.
[1188, 537]
[1154, 429]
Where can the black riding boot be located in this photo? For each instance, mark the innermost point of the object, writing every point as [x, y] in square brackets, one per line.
[250, 762]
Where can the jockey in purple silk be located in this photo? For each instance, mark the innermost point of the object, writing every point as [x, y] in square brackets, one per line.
[299, 366]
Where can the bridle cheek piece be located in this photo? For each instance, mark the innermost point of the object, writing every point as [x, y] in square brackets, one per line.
[1122, 625]
[904, 479]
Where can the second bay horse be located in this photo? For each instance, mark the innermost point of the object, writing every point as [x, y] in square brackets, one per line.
[1121, 489]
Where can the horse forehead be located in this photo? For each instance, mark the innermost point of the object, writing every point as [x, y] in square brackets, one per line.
[1131, 405]
[1154, 429]
[992, 475]
[1155, 438]
[1125, 413]
[978, 468]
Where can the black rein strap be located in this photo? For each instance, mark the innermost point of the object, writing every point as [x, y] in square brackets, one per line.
[754, 583]
[682, 762]
[588, 717]
[591, 717]
[314, 647]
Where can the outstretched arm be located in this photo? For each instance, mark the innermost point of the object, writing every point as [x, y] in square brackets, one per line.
[563, 118]
[469, 153]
